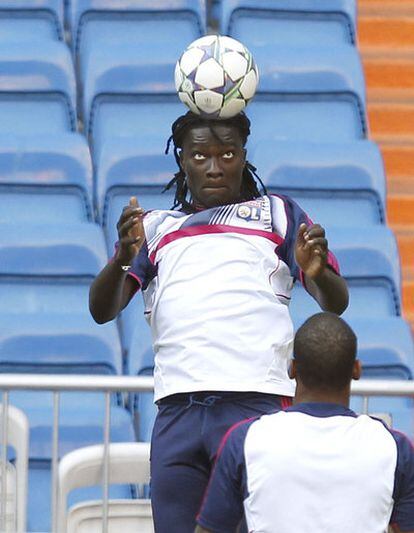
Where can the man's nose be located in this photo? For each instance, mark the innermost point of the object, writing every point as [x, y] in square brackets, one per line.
[214, 169]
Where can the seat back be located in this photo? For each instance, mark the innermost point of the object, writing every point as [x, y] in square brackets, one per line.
[37, 88]
[308, 93]
[128, 463]
[48, 268]
[49, 175]
[339, 184]
[297, 22]
[136, 21]
[17, 477]
[129, 94]
[39, 19]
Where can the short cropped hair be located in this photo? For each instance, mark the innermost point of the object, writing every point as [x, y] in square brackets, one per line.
[325, 350]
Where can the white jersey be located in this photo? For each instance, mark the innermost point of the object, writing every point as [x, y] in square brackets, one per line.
[315, 468]
[217, 286]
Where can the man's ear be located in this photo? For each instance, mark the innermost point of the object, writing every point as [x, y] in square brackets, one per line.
[292, 369]
[357, 369]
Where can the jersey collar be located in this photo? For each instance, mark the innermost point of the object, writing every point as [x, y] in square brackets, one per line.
[321, 409]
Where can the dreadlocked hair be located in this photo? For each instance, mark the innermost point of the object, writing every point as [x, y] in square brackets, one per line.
[181, 127]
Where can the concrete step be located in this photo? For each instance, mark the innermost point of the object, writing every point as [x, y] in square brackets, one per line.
[400, 209]
[405, 239]
[391, 121]
[389, 76]
[385, 6]
[384, 30]
[399, 164]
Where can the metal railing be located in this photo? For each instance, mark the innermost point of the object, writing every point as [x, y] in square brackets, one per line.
[121, 384]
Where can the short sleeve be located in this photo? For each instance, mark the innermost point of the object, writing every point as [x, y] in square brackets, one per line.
[287, 223]
[222, 508]
[403, 511]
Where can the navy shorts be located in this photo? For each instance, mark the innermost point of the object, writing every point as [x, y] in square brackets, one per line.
[187, 433]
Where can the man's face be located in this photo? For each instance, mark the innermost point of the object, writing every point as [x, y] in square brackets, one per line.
[213, 164]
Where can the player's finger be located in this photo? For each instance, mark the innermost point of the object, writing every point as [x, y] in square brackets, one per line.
[316, 230]
[133, 202]
[302, 231]
[320, 242]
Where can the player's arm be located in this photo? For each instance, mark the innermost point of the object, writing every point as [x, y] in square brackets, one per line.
[326, 286]
[112, 288]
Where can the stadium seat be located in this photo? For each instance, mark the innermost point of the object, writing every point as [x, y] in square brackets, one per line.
[297, 22]
[45, 179]
[58, 344]
[369, 261]
[136, 23]
[33, 19]
[81, 417]
[37, 88]
[16, 473]
[129, 464]
[128, 168]
[338, 184]
[48, 268]
[308, 93]
[130, 95]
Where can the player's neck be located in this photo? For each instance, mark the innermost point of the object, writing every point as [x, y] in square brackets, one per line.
[306, 395]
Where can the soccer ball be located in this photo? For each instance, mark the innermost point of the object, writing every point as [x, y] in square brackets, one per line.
[216, 76]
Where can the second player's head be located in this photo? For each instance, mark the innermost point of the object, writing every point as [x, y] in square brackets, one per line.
[211, 157]
[325, 356]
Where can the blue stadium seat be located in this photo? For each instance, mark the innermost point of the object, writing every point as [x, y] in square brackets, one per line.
[58, 344]
[80, 424]
[296, 22]
[369, 260]
[49, 176]
[338, 184]
[37, 88]
[127, 168]
[130, 95]
[33, 19]
[385, 346]
[136, 23]
[308, 93]
[48, 268]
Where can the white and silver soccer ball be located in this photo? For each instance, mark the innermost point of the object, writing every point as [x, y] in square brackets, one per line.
[216, 76]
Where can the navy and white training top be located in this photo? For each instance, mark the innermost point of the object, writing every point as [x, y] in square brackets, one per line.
[217, 286]
[314, 468]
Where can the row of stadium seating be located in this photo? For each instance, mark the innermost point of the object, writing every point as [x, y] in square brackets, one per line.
[298, 22]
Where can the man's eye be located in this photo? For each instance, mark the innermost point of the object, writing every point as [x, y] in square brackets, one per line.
[228, 155]
[198, 156]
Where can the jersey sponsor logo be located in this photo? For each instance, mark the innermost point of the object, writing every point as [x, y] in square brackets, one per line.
[248, 213]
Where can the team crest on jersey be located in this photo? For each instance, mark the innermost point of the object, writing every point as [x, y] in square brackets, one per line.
[248, 213]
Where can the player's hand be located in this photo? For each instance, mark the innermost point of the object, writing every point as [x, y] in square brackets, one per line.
[311, 250]
[131, 235]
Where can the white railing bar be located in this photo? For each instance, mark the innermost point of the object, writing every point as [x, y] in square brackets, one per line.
[3, 501]
[76, 382]
[105, 495]
[81, 382]
[55, 459]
